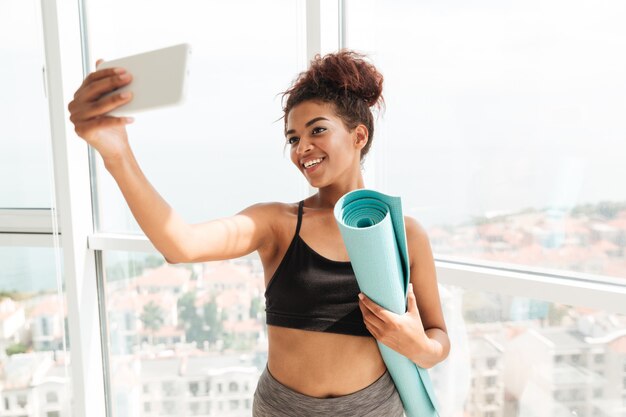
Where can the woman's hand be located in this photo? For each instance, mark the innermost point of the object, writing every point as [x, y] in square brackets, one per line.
[107, 134]
[403, 333]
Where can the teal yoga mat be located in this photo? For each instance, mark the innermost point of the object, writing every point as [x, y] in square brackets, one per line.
[372, 227]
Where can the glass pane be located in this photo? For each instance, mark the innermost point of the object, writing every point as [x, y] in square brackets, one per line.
[185, 340]
[25, 156]
[223, 150]
[34, 350]
[504, 126]
[529, 358]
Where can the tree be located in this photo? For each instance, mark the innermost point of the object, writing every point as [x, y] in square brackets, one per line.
[153, 261]
[152, 318]
[212, 321]
[16, 348]
[256, 307]
[187, 307]
[556, 313]
[190, 319]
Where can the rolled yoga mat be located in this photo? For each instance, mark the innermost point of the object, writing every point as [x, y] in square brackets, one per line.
[372, 227]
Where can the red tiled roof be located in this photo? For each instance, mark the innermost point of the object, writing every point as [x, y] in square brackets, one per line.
[130, 300]
[227, 272]
[163, 276]
[228, 298]
[618, 223]
[605, 246]
[243, 326]
[618, 345]
[51, 305]
[491, 229]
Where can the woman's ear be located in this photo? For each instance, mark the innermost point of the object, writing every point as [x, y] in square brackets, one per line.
[361, 136]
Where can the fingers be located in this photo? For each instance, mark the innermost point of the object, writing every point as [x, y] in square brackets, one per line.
[104, 82]
[373, 307]
[103, 73]
[100, 107]
[89, 101]
[100, 75]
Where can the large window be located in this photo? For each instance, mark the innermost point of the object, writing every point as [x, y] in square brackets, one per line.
[504, 126]
[25, 169]
[193, 335]
[34, 343]
[179, 332]
[516, 356]
[223, 149]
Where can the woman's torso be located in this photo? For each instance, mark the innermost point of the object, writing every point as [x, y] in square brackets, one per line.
[317, 364]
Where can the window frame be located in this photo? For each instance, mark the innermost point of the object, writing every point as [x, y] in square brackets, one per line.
[62, 34]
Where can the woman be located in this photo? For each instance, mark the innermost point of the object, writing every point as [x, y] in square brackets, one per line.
[323, 356]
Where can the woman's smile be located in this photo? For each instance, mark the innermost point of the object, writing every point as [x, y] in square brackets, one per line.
[312, 168]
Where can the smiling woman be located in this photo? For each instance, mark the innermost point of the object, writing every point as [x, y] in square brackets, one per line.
[311, 295]
[346, 80]
[326, 104]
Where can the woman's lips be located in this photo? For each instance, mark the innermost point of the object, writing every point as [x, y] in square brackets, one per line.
[314, 167]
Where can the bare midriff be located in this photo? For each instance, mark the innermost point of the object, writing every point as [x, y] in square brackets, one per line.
[323, 365]
[313, 363]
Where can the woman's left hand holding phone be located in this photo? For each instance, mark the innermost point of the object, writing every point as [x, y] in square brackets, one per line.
[89, 108]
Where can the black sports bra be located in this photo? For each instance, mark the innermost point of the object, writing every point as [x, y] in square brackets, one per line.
[311, 292]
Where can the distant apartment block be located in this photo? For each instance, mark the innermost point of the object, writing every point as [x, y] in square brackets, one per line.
[575, 371]
[201, 385]
[47, 321]
[34, 385]
[486, 397]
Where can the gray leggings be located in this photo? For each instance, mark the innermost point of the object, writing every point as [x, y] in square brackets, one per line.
[273, 399]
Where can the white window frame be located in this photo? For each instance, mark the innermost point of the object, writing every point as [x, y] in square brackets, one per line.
[65, 63]
[64, 71]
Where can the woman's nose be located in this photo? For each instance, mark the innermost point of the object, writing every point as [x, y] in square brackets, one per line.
[304, 145]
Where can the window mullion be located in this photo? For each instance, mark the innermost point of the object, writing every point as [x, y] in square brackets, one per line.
[62, 40]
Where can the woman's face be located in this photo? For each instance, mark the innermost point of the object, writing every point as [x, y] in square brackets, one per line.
[315, 132]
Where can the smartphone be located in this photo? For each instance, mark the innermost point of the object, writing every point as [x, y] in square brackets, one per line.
[159, 78]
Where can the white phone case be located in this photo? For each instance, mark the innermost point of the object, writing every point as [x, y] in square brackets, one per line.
[159, 78]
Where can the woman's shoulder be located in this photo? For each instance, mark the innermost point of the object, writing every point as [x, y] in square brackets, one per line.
[279, 219]
[417, 238]
[273, 211]
[414, 229]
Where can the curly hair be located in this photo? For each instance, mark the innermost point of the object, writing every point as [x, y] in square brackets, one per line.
[346, 80]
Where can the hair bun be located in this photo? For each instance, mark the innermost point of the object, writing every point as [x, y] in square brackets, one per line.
[347, 72]
[348, 81]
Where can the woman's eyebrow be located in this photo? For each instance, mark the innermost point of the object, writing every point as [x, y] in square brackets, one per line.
[309, 123]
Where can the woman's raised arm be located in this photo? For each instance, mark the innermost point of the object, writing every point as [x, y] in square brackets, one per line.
[174, 238]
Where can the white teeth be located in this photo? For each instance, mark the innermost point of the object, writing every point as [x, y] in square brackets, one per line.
[312, 162]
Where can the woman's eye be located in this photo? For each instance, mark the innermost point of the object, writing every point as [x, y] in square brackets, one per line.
[292, 140]
[318, 130]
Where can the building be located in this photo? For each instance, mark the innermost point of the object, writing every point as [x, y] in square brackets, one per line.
[563, 372]
[35, 385]
[197, 384]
